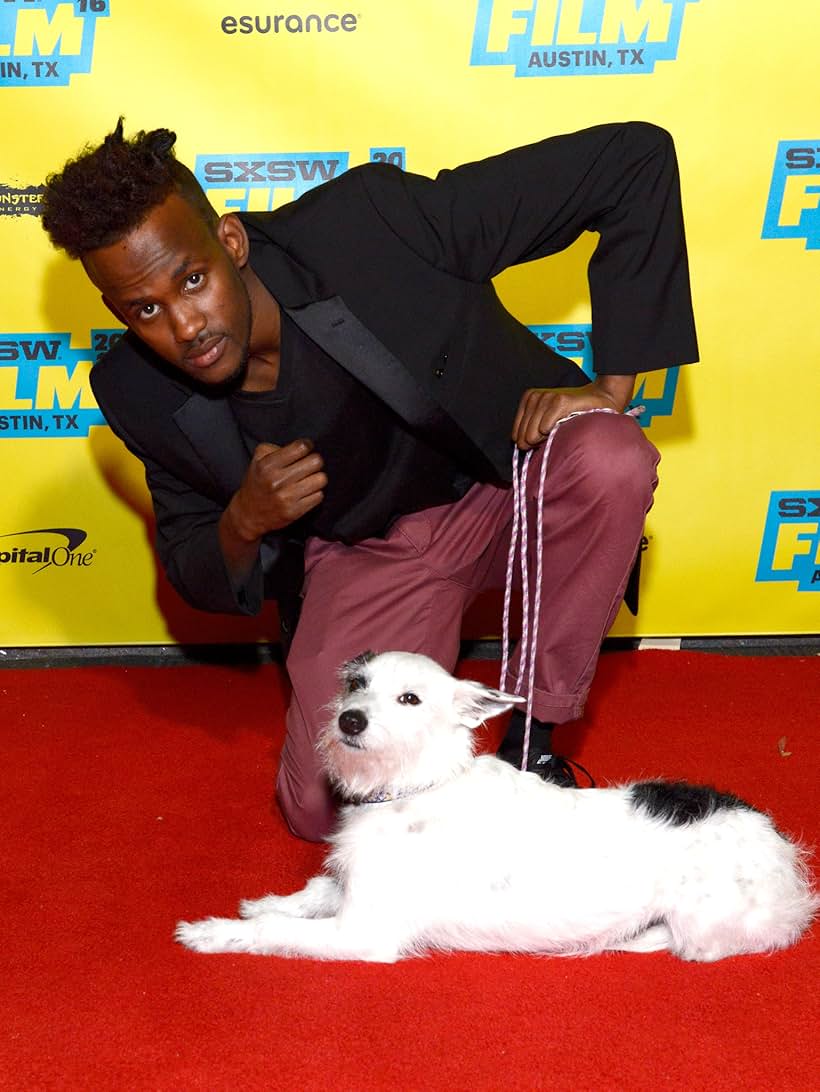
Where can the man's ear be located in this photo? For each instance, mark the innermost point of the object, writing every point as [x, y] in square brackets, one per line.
[476, 703]
[234, 239]
[113, 309]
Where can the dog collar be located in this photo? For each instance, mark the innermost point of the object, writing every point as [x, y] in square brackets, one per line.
[384, 796]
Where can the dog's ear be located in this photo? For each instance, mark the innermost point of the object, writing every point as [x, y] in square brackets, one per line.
[476, 703]
[354, 666]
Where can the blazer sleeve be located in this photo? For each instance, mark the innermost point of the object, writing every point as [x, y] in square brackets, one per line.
[187, 538]
[187, 542]
[620, 180]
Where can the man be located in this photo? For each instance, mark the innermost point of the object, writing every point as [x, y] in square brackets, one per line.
[327, 398]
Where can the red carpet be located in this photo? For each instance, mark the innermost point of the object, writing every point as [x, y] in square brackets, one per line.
[134, 797]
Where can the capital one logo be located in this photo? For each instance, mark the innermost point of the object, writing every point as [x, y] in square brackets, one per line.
[793, 207]
[790, 549]
[655, 391]
[262, 181]
[45, 548]
[43, 43]
[577, 37]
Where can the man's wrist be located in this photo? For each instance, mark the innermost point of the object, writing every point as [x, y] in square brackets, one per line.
[239, 552]
[617, 388]
[234, 525]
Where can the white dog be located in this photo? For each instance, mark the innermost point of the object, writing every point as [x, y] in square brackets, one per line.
[437, 848]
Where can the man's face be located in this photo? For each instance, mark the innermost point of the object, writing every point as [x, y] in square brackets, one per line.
[177, 284]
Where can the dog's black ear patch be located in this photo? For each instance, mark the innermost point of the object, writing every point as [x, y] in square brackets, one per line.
[359, 661]
[679, 803]
[352, 673]
[354, 666]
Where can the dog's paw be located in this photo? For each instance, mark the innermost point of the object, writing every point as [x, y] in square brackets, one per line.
[270, 904]
[215, 935]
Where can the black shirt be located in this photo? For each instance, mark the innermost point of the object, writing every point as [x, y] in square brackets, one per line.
[377, 469]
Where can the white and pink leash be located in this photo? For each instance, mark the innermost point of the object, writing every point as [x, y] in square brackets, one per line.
[518, 551]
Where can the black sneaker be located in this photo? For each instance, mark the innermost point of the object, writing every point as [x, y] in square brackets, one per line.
[559, 771]
[553, 768]
[540, 759]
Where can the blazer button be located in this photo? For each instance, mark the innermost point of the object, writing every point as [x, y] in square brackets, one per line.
[438, 373]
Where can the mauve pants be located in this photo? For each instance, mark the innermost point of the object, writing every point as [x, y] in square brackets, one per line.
[410, 590]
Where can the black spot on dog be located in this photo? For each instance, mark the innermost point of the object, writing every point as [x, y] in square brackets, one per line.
[362, 659]
[352, 673]
[679, 803]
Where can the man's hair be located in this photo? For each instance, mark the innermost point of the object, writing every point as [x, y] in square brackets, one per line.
[108, 191]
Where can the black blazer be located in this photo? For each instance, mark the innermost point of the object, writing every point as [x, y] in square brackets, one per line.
[391, 274]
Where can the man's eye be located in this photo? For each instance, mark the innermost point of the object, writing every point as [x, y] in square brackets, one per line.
[148, 310]
[356, 683]
[194, 280]
[409, 699]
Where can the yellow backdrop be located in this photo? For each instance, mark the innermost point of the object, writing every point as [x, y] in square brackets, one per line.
[269, 99]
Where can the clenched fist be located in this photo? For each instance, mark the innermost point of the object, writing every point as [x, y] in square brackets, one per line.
[280, 485]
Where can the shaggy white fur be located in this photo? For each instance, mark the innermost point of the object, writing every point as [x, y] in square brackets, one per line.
[438, 849]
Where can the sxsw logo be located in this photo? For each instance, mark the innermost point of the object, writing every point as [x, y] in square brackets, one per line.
[43, 43]
[791, 540]
[262, 181]
[44, 385]
[577, 37]
[655, 390]
[793, 208]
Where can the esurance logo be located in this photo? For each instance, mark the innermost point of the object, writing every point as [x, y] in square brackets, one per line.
[577, 37]
[43, 43]
[290, 24]
[793, 208]
[45, 548]
[791, 540]
[262, 181]
[44, 385]
[655, 390]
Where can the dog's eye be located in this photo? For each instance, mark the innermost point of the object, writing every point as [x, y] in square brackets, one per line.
[409, 699]
[355, 683]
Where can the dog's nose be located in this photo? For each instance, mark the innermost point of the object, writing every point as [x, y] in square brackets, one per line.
[352, 722]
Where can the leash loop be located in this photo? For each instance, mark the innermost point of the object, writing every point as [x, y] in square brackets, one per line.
[528, 642]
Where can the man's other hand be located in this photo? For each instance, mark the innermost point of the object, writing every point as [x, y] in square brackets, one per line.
[541, 408]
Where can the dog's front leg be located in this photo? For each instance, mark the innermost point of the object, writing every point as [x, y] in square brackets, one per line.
[320, 898]
[278, 934]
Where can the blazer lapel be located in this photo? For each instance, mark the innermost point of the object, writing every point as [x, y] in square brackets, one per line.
[211, 429]
[327, 320]
[334, 327]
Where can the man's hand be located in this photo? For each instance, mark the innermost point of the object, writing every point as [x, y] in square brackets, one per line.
[280, 485]
[541, 408]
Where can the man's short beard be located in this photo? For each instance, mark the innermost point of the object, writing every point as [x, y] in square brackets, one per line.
[235, 380]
